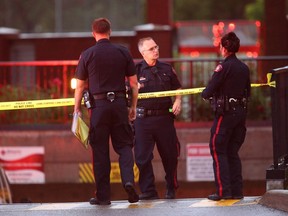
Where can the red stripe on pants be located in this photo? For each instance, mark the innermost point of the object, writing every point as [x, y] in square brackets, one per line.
[215, 156]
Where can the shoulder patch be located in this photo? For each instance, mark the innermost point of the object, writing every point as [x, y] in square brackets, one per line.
[218, 68]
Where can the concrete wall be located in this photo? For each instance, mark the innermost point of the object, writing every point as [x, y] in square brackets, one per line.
[63, 152]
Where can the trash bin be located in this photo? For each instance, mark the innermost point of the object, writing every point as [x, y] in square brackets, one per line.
[277, 173]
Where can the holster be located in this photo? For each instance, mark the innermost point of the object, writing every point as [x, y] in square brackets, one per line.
[88, 99]
[140, 112]
[219, 105]
[222, 104]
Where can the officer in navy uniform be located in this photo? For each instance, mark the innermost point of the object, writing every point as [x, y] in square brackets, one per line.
[106, 66]
[155, 121]
[228, 90]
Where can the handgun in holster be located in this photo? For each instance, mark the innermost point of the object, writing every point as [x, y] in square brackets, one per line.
[218, 104]
[88, 99]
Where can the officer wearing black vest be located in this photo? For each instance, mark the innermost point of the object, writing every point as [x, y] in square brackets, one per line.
[154, 123]
[106, 66]
[228, 91]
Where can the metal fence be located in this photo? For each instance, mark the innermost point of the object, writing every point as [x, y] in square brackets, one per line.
[35, 80]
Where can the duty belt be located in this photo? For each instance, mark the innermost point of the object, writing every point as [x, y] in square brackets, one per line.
[236, 100]
[233, 103]
[109, 96]
[142, 112]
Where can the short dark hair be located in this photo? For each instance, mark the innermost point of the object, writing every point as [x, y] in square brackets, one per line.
[101, 26]
[231, 42]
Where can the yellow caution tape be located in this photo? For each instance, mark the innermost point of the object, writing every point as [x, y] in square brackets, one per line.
[170, 93]
[269, 82]
[196, 90]
[33, 104]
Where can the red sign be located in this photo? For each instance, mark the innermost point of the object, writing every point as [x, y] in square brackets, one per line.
[199, 165]
[23, 164]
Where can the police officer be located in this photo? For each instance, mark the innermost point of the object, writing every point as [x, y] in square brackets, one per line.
[229, 89]
[155, 121]
[105, 66]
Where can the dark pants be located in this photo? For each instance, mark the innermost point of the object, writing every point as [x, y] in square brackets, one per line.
[110, 119]
[159, 130]
[227, 136]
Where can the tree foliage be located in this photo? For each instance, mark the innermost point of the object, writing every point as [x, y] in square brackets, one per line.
[255, 11]
[77, 15]
[69, 15]
[209, 9]
[27, 16]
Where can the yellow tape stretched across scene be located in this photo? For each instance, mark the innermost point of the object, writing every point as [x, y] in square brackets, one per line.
[35, 104]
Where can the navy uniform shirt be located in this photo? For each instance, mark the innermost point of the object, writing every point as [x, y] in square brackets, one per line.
[230, 78]
[161, 77]
[105, 65]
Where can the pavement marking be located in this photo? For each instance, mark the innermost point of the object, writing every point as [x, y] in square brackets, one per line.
[145, 204]
[255, 202]
[56, 206]
[141, 204]
[210, 203]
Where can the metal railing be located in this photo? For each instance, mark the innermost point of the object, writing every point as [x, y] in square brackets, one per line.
[35, 80]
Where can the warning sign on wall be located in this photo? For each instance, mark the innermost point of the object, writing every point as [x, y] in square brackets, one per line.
[115, 176]
[199, 163]
[87, 176]
[23, 165]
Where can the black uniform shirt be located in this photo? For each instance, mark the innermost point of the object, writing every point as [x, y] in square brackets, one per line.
[105, 65]
[230, 78]
[161, 77]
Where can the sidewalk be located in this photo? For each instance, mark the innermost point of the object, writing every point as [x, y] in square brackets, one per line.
[277, 199]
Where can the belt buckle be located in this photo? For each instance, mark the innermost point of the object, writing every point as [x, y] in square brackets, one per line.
[110, 96]
[233, 100]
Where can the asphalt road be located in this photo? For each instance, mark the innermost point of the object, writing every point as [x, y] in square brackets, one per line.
[179, 207]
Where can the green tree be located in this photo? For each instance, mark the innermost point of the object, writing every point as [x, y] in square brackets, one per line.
[69, 15]
[209, 9]
[255, 10]
[28, 15]
[191, 9]
[77, 15]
